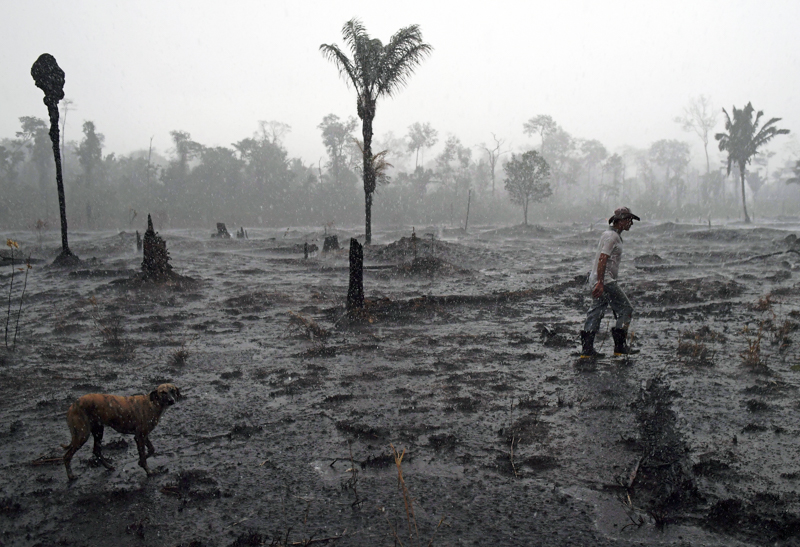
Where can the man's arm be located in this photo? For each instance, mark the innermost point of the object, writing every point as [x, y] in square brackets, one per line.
[597, 292]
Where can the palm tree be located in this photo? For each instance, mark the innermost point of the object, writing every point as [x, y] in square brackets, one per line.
[744, 138]
[375, 71]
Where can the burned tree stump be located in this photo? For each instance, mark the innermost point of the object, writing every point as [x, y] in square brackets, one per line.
[49, 77]
[155, 266]
[331, 244]
[222, 231]
[355, 292]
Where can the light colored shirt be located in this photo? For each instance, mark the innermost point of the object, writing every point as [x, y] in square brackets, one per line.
[610, 245]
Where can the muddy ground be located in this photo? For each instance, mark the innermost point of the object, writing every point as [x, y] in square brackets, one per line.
[465, 361]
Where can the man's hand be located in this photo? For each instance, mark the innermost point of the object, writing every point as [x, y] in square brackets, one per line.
[597, 292]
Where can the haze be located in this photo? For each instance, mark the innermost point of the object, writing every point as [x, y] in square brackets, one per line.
[618, 72]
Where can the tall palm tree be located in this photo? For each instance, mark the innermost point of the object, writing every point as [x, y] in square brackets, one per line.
[744, 138]
[375, 70]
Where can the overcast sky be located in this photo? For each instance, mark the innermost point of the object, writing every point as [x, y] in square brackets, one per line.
[614, 71]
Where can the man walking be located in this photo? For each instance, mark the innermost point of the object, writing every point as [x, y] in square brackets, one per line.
[605, 290]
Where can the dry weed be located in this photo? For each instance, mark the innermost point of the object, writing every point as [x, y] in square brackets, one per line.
[751, 357]
[306, 327]
[763, 304]
[694, 351]
[110, 329]
[411, 519]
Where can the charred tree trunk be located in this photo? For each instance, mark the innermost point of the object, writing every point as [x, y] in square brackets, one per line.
[155, 265]
[744, 200]
[49, 77]
[355, 292]
[367, 114]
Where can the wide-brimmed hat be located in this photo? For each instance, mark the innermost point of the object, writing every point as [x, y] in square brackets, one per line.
[622, 213]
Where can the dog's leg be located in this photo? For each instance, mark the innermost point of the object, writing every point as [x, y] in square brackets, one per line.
[78, 424]
[141, 441]
[150, 449]
[97, 432]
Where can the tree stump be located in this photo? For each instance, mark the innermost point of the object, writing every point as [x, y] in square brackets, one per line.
[155, 266]
[331, 243]
[222, 231]
[355, 292]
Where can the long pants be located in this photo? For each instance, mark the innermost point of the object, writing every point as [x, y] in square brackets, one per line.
[614, 297]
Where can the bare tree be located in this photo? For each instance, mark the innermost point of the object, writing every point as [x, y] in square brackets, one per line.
[273, 131]
[494, 154]
[700, 117]
[65, 104]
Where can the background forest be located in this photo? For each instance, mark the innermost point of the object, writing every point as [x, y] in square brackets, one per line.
[427, 179]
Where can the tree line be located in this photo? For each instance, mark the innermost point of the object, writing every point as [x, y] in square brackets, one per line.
[254, 181]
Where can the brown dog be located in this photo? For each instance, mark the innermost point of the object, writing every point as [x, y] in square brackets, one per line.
[137, 415]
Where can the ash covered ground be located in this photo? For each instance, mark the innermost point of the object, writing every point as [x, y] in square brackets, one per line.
[466, 360]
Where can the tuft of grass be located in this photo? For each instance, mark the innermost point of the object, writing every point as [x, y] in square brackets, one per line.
[694, 351]
[179, 356]
[764, 303]
[110, 328]
[751, 356]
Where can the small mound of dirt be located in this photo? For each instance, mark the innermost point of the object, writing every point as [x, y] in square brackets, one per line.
[193, 483]
[429, 266]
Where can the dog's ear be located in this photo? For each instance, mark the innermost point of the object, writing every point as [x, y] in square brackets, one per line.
[154, 396]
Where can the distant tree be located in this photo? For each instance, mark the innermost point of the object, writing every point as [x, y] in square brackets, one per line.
[796, 178]
[396, 148]
[493, 154]
[673, 157]
[34, 136]
[274, 131]
[744, 138]
[542, 125]
[337, 135]
[453, 165]
[614, 166]
[266, 168]
[176, 173]
[90, 153]
[375, 71]
[217, 181]
[559, 151]
[527, 179]
[593, 153]
[65, 107]
[10, 158]
[421, 136]
[700, 117]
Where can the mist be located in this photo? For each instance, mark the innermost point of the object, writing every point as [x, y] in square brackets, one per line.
[614, 81]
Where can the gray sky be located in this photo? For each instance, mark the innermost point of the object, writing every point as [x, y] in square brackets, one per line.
[614, 71]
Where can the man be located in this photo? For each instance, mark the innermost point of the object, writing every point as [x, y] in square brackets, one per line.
[605, 290]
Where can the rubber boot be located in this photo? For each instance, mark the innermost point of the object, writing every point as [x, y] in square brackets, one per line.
[587, 341]
[620, 342]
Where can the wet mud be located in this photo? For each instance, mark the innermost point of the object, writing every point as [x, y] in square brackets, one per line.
[464, 363]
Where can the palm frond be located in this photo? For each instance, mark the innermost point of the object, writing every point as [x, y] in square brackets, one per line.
[404, 52]
[342, 62]
[354, 34]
